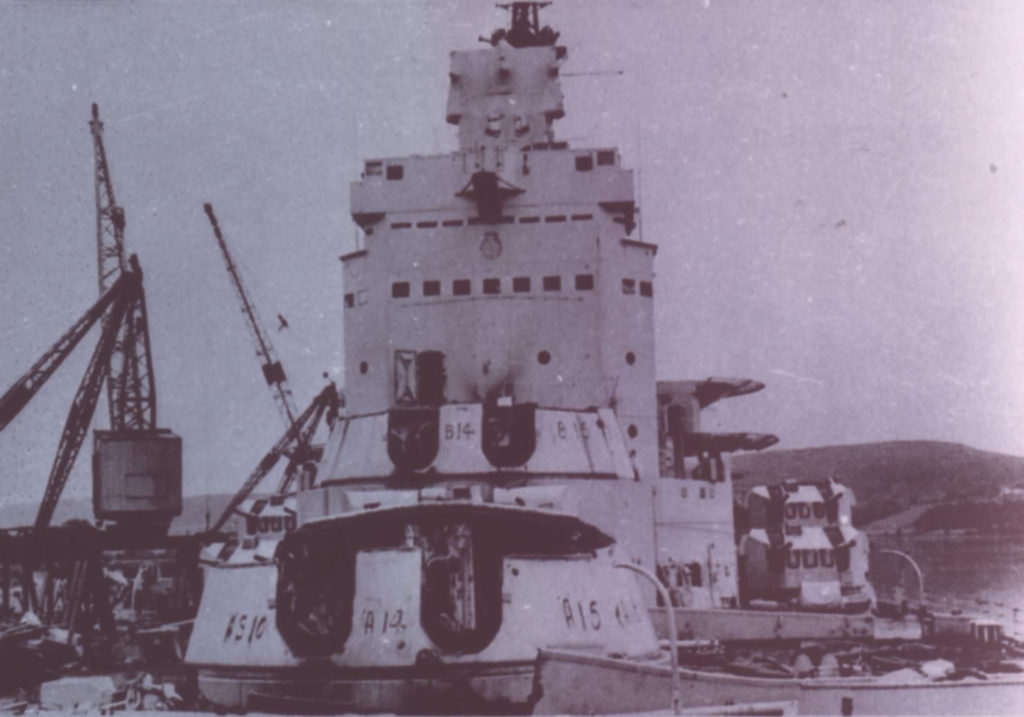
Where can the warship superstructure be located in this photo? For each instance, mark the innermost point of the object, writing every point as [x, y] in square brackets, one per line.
[505, 449]
[500, 426]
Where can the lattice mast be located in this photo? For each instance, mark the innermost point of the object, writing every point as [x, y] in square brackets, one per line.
[131, 390]
[273, 371]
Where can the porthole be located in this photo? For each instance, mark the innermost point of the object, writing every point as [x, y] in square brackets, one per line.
[544, 358]
[632, 431]
[630, 358]
[363, 367]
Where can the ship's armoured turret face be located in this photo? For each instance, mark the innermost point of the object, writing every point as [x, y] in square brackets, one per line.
[504, 270]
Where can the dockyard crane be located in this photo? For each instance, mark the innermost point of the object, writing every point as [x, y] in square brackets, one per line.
[122, 356]
[273, 371]
[294, 443]
[131, 390]
[115, 307]
[22, 391]
[299, 428]
[136, 466]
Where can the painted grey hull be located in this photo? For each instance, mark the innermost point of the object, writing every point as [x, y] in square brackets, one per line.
[385, 641]
[474, 689]
[573, 683]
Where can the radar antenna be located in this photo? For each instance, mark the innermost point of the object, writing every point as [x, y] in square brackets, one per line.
[525, 29]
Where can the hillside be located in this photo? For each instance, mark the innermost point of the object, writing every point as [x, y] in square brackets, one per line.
[889, 477]
[192, 518]
[893, 481]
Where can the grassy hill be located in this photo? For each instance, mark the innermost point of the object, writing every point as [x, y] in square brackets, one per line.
[891, 477]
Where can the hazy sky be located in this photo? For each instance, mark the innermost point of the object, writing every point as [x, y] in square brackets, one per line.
[836, 188]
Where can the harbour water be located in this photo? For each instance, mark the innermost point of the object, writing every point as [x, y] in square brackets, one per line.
[980, 572]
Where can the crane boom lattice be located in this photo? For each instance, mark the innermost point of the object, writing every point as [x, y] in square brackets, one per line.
[293, 443]
[131, 389]
[273, 371]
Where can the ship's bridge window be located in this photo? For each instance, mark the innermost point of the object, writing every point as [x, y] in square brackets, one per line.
[628, 286]
[646, 288]
[521, 284]
[431, 287]
[605, 157]
[400, 289]
[584, 163]
[552, 283]
[492, 286]
[350, 300]
[373, 169]
[461, 287]
[584, 282]
[395, 171]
